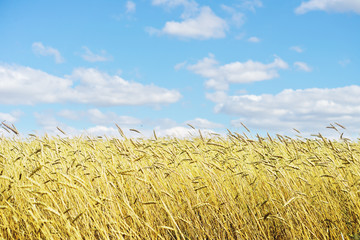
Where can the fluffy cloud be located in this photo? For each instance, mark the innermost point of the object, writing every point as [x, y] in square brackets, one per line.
[305, 109]
[200, 22]
[101, 131]
[40, 49]
[329, 6]
[169, 128]
[204, 26]
[203, 124]
[92, 57]
[24, 85]
[302, 66]
[219, 77]
[102, 89]
[182, 132]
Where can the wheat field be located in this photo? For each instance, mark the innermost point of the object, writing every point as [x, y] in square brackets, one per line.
[232, 187]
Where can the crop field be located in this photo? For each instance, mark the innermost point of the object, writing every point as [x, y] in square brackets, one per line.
[219, 187]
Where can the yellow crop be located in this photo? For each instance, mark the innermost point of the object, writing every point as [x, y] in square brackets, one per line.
[201, 188]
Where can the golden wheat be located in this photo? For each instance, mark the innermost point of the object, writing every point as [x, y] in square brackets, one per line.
[229, 187]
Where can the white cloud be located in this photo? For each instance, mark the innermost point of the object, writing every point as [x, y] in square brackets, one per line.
[130, 7]
[170, 128]
[182, 132]
[7, 117]
[297, 49]
[101, 126]
[178, 132]
[24, 85]
[49, 124]
[102, 89]
[219, 77]
[203, 123]
[10, 117]
[97, 117]
[92, 57]
[200, 22]
[305, 109]
[302, 66]
[204, 26]
[254, 39]
[329, 6]
[101, 131]
[40, 49]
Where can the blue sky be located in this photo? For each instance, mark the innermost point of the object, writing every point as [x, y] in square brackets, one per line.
[162, 64]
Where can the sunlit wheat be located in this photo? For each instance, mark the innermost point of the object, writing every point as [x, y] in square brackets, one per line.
[232, 187]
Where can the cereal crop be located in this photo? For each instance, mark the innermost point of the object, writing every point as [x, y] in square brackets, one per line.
[205, 187]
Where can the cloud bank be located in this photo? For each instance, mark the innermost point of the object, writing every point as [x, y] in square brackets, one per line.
[25, 85]
[310, 109]
[220, 76]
